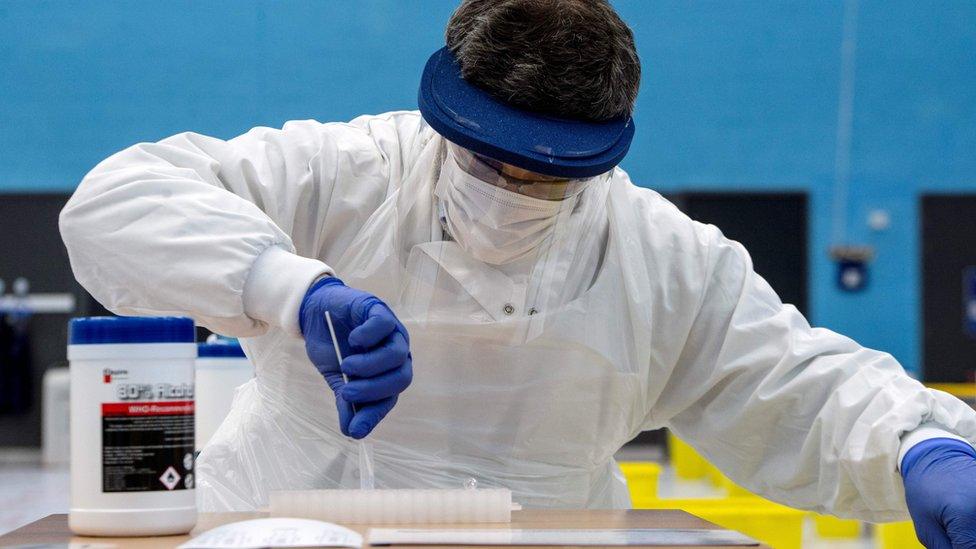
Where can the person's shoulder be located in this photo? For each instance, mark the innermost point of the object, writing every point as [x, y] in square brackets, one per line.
[399, 122]
[651, 208]
[407, 120]
[409, 126]
[659, 222]
[393, 134]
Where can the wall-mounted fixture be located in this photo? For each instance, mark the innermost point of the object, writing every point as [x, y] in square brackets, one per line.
[852, 266]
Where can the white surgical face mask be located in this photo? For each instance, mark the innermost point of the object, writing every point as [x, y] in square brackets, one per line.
[492, 224]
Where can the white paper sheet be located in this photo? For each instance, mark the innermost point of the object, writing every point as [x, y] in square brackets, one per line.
[619, 537]
[275, 532]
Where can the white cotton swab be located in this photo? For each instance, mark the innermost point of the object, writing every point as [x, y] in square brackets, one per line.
[366, 481]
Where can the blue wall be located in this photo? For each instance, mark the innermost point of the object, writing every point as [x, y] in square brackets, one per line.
[736, 95]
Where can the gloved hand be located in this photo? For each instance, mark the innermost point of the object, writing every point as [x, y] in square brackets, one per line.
[375, 350]
[940, 488]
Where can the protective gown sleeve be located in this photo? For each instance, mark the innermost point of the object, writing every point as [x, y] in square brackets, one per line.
[231, 233]
[801, 415]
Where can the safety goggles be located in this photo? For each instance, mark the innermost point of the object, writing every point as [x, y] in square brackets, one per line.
[518, 180]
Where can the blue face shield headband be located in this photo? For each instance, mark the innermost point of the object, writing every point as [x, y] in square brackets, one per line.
[473, 119]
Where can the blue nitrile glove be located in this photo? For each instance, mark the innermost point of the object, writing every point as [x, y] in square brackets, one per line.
[375, 350]
[940, 488]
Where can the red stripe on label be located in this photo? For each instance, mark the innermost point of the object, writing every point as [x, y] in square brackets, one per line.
[171, 408]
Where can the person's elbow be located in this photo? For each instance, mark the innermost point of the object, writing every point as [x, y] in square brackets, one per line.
[72, 221]
[103, 199]
[77, 219]
[88, 231]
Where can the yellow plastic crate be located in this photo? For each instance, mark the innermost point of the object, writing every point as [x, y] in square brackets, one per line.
[642, 479]
[958, 390]
[714, 475]
[687, 463]
[778, 526]
[732, 489]
[896, 535]
[836, 528]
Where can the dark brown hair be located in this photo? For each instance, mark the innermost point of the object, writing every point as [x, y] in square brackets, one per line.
[570, 58]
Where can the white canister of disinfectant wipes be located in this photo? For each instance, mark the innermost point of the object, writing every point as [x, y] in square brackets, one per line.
[132, 422]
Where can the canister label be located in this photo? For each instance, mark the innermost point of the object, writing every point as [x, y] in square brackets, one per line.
[147, 432]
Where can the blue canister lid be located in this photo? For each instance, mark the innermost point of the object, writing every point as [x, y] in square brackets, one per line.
[95, 330]
[222, 348]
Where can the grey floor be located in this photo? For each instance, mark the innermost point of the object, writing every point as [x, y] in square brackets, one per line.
[30, 491]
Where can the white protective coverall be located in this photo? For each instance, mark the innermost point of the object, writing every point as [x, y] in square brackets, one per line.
[673, 329]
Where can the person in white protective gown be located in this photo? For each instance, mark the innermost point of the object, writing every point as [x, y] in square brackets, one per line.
[554, 309]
